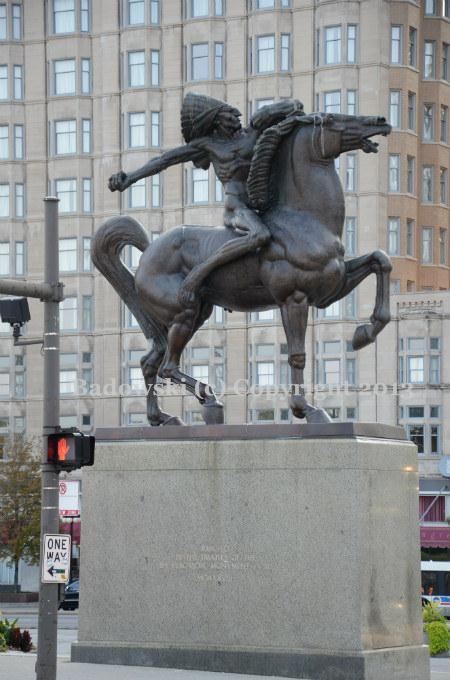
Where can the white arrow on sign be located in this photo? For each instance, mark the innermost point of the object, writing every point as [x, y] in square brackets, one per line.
[56, 558]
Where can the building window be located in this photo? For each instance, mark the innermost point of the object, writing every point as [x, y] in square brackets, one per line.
[199, 8]
[265, 373]
[4, 142]
[67, 382]
[435, 369]
[66, 191]
[200, 185]
[87, 321]
[136, 194]
[18, 142]
[68, 254]
[218, 8]
[351, 103]
[156, 191]
[444, 124]
[415, 368]
[411, 111]
[427, 245]
[332, 101]
[443, 246]
[200, 69]
[86, 76]
[155, 128]
[429, 63]
[19, 258]
[136, 130]
[350, 368]
[394, 236]
[155, 12]
[86, 131]
[285, 57]
[155, 68]
[19, 200]
[87, 195]
[394, 108]
[3, 23]
[3, 82]
[410, 229]
[136, 69]
[443, 185]
[428, 122]
[18, 82]
[394, 172]
[17, 22]
[416, 435]
[87, 262]
[430, 7]
[351, 43]
[84, 16]
[64, 76]
[218, 61]
[411, 175]
[64, 16]
[331, 371]
[265, 46]
[350, 172]
[412, 47]
[4, 200]
[65, 137]
[4, 259]
[350, 236]
[396, 44]
[427, 184]
[445, 61]
[333, 45]
[136, 12]
[200, 372]
[68, 314]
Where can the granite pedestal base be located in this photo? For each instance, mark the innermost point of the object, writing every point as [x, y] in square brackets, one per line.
[291, 552]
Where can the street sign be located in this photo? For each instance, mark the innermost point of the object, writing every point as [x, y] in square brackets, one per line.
[69, 494]
[56, 558]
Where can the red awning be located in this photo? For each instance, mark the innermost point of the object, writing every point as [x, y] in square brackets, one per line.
[435, 537]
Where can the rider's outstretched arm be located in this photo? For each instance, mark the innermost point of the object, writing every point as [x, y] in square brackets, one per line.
[182, 154]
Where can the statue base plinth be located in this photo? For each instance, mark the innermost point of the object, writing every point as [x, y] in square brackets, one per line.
[282, 552]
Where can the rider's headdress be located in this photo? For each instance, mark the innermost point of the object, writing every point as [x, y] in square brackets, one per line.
[199, 113]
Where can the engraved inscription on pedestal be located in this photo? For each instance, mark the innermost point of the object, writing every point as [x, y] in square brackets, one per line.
[211, 563]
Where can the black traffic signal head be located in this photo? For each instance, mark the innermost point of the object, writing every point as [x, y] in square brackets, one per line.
[15, 311]
[69, 450]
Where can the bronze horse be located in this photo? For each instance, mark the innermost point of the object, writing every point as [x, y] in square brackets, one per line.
[302, 266]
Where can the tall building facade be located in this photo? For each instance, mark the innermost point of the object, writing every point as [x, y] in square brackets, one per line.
[88, 87]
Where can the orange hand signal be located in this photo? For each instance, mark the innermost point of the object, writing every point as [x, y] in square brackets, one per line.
[63, 449]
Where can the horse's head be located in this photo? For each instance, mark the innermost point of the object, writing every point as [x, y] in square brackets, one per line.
[336, 133]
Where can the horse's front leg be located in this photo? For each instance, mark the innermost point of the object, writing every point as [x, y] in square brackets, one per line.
[294, 314]
[356, 270]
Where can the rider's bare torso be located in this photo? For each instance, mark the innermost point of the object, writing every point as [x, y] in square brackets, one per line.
[231, 159]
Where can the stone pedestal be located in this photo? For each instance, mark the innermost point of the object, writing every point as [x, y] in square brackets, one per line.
[290, 551]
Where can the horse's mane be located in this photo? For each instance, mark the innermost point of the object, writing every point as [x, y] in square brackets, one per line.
[260, 188]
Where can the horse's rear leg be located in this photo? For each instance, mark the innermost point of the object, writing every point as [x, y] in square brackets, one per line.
[181, 331]
[294, 314]
[358, 269]
[150, 364]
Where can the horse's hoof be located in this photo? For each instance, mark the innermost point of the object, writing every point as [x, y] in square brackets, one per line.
[173, 420]
[362, 337]
[317, 415]
[213, 413]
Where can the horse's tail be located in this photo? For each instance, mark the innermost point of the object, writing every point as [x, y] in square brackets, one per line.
[107, 244]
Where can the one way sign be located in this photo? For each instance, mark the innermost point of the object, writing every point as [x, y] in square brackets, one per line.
[56, 558]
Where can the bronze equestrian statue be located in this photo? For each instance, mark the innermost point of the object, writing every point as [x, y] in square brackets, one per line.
[280, 247]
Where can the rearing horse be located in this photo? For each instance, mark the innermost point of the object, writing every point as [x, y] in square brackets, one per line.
[302, 266]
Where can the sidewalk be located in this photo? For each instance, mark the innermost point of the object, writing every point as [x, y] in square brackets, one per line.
[21, 667]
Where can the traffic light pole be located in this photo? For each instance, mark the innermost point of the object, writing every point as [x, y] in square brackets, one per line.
[48, 592]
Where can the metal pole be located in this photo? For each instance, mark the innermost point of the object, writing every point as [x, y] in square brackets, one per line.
[48, 592]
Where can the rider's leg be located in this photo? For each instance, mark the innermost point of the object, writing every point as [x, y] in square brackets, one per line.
[257, 235]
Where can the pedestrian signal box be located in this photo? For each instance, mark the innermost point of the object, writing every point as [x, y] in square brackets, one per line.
[69, 450]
